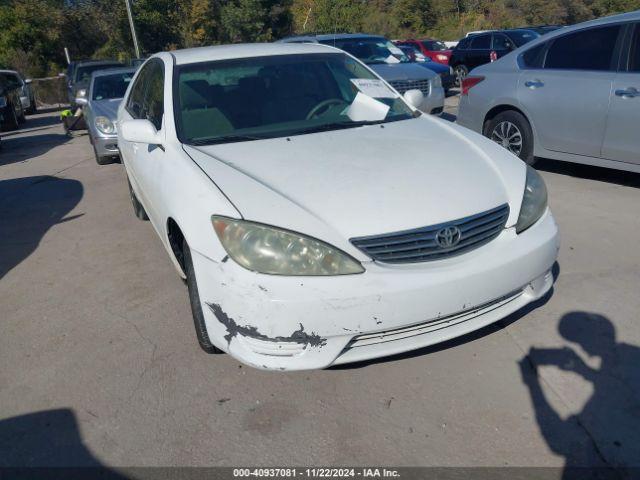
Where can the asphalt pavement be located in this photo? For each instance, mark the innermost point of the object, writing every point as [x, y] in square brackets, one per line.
[100, 365]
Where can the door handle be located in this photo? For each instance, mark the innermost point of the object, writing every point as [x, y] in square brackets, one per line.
[533, 84]
[630, 92]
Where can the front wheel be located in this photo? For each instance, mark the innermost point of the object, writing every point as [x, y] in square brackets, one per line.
[512, 131]
[196, 305]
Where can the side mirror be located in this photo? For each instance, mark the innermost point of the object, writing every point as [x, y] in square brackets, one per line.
[140, 131]
[28, 81]
[81, 101]
[414, 98]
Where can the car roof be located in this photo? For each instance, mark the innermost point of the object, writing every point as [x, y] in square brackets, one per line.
[8, 71]
[319, 37]
[112, 71]
[245, 50]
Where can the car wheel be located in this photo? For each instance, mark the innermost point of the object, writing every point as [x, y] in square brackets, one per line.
[102, 160]
[511, 130]
[196, 305]
[12, 123]
[138, 209]
[22, 117]
[460, 71]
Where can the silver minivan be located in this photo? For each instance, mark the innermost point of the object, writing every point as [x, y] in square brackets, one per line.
[571, 95]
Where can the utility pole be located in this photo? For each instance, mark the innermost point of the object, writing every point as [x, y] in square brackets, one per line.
[133, 28]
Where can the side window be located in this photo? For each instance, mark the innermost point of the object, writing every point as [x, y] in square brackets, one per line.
[153, 109]
[590, 49]
[634, 58]
[136, 97]
[534, 57]
[501, 42]
[481, 42]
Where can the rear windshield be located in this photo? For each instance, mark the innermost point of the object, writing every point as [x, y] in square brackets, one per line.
[111, 86]
[277, 96]
[83, 73]
[434, 45]
[520, 37]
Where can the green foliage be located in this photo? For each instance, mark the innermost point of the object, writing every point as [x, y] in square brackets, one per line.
[33, 33]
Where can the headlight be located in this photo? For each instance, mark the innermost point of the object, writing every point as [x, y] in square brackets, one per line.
[437, 81]
[534, 201]
[105, 125]
[265, 249]
[3, 102]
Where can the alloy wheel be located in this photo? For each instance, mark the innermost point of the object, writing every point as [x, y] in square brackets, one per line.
[509, 136]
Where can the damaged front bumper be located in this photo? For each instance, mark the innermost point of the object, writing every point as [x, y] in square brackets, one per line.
[296, 323]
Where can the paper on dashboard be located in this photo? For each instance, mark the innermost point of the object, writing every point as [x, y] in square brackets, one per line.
[373, 88]
[365, 108]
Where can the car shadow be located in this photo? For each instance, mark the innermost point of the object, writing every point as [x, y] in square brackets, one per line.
[605, 434]
[455, 342]
[29, 207]
[48, 444]
[589, 172]
[15, 149]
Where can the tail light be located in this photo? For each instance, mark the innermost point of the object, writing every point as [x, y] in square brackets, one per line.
[469, 82]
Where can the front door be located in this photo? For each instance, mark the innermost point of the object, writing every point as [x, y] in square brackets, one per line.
[621, 141]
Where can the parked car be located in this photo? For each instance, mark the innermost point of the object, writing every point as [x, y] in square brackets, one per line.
[433, 49]
[79, 76]
[317, 216]
[476, 50]
[100, 109]
[571, 95]
[388, 61]
[445, 72]
[27, 98]
[11, 112]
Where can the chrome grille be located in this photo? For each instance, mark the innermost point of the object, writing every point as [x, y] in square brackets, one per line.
[422, 245]
[403, 86]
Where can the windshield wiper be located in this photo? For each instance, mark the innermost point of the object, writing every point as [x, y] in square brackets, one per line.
[225, 139]
[325, 127]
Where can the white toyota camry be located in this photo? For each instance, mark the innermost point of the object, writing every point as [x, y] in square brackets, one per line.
[317, 216]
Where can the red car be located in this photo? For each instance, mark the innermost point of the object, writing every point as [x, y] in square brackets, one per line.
[434, 49]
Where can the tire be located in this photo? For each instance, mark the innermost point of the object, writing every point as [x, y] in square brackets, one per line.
[511, 125]
[102, 160]
[196, 305]
[138, 209]
[22, 117]
[460, 71]
[12, 123]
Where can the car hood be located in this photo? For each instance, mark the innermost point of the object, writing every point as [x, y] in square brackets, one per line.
[400, 71]
[367, 180]
[106, 108]
[434, 67]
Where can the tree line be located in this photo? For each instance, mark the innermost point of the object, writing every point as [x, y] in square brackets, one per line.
[34, 33]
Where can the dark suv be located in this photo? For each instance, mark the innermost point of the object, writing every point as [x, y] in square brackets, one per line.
[481, 48]
[11, 111]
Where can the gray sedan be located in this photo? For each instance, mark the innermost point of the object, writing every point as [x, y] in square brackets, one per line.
[100, 108]
[571, 95]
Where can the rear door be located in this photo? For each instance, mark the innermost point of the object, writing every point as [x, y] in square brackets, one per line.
[567, 97]
[622, 141]
[479, 50]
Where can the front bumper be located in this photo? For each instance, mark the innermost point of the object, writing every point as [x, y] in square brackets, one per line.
[296, 323]
[434, 102]
[106, 146]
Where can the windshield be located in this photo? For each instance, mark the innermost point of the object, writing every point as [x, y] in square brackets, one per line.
[279, 96]
[434, 46]
[83, 74]
[520, 37]
[111, 86]
[371, 50]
